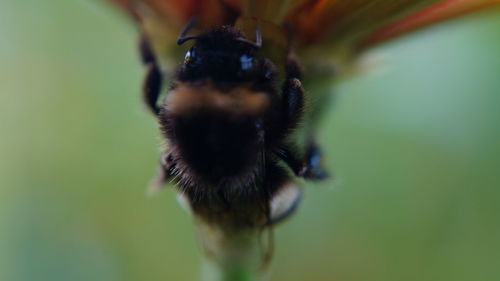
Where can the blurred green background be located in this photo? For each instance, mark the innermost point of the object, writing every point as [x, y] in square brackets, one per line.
[414, 144]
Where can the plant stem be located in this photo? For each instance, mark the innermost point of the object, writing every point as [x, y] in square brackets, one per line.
[231, 254]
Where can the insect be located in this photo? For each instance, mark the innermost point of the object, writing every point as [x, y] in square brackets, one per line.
[238, 115]
[238, 95]
[227, 117]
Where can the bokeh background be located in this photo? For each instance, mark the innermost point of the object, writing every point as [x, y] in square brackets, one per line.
[414, 143]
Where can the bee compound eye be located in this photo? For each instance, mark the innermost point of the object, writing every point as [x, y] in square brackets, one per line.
[189, 56]
[246, 62]
[259, 125]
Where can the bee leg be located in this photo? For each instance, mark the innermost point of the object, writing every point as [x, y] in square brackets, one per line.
[314, 169]
[153, 79]
[151, 87]
[293, 160]
[293, 102]
[145, 50]
[293, 93]
[165, 172]
[308, 166]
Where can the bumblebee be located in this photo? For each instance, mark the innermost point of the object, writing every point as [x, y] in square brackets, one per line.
[240, 94]
[240, 109]
[227, 118]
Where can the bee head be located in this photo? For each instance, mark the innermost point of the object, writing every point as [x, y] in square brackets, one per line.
[223, 54]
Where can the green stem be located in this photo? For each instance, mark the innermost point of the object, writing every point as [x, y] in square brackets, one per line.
[212, 272]
[232, 255]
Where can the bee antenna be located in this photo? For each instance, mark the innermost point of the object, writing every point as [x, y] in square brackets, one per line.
[258, 39]
[182, 36]
[181, 41]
